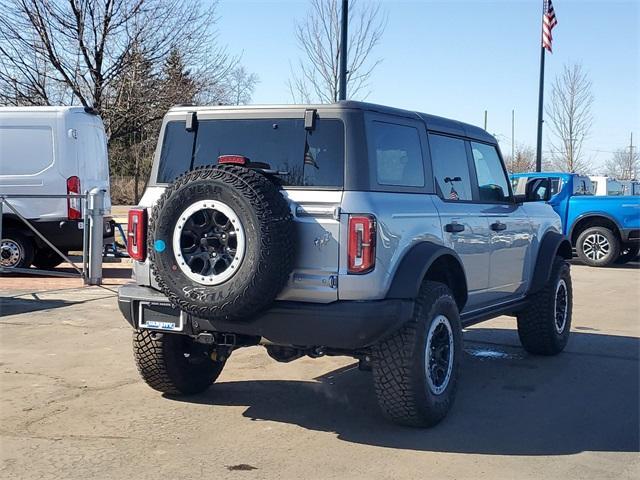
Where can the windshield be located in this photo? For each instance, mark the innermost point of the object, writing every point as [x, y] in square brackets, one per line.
[302, 158]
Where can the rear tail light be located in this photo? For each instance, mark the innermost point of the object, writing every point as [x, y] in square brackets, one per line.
[74, 209]
[233, 160]
[137, 234]
[361, 253]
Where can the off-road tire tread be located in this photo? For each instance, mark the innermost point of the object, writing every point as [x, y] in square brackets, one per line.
[536, 328]
[277, 241]
[153, 351]
[392, 365]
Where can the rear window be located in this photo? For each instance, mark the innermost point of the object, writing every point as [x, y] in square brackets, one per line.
[314, 158]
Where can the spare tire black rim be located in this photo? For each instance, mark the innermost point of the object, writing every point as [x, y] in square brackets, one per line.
[439, 354]
[209, 242]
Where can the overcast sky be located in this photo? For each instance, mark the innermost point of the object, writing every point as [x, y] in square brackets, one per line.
[458, 58]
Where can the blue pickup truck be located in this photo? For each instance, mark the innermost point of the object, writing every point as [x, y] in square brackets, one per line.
[602, 229]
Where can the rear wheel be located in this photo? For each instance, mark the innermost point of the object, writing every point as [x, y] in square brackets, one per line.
[598, 246]
[16, 249]
[46, 258]
[415, 371]
[174, 364]
[629, 252]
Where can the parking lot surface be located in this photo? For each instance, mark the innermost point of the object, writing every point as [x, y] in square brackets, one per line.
[72, 404]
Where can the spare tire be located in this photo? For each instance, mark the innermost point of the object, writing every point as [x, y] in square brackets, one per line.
[221, 242]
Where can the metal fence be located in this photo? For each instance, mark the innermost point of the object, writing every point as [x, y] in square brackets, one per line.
[93, 244]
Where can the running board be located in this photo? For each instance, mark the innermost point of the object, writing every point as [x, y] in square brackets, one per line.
[508, 308]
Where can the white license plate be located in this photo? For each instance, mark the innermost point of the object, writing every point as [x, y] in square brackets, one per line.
[151, 319]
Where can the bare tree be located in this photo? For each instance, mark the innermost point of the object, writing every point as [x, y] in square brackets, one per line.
[129, 59]
[240, 85]
[569, 113]
[524, 159]
[314, 77]
[623, 165]
[78, 49]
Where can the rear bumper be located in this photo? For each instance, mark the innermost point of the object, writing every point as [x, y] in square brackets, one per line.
[66, 234]
[343, 324]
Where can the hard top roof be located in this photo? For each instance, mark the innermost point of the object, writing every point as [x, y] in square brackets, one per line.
[433, 122]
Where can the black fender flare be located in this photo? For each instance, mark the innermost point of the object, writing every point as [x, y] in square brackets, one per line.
[587, 215]
[416, 263]
[553, 244]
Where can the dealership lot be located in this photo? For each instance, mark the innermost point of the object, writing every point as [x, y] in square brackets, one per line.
[73, 406]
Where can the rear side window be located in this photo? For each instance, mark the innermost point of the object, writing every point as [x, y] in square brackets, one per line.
[397, 154]
[492, 180]
[177, 147]
[450, 167]
[302, 158]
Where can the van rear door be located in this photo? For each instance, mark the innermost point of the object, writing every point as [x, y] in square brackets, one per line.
[91, 154]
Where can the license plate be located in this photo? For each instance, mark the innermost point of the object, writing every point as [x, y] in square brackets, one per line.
[153, 316]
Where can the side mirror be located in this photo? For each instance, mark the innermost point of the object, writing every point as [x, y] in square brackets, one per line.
[537, 190]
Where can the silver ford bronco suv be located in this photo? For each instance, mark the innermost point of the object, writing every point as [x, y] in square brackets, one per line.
[347, 229]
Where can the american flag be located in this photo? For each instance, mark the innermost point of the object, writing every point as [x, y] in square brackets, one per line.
[548, 22]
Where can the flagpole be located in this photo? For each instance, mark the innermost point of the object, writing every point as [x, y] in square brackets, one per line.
[540, 101]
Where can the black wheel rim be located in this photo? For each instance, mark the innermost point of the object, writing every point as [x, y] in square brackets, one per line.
[439, 354]
[561, 306]
[209, 242]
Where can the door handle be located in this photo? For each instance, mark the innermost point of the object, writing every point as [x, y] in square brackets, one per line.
[454, 227]
[498, 226]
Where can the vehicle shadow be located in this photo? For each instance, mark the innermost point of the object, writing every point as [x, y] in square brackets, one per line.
[508, 403]
[633, 265]
[15, 306]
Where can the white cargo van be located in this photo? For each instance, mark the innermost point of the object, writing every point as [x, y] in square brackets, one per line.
[603, 185]
[48, 151]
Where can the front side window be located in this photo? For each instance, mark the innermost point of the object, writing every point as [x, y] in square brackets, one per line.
[450, 167]
[397, 154]
[492, 180]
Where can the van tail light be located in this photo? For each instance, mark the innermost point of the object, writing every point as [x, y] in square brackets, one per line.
[137, 234]
[361, 252]
[74, 209]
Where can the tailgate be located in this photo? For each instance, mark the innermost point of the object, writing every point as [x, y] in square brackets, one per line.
[317, 227]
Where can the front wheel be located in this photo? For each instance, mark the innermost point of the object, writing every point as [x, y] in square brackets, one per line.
[598, 247]
[173, 363]
[545, 323]
[415, 371]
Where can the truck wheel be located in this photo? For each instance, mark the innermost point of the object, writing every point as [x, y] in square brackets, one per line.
[545, 323]
[46, 258]
[628, 253]
[174, 364]
[221, 242]
[598, 246]
[16, 249]
[415, 371]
